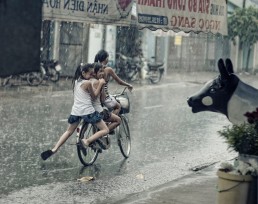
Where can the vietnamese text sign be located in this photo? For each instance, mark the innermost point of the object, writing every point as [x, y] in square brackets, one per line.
[90, 11]
[183, 15]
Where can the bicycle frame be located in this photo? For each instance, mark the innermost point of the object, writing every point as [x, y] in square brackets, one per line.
[85, 130]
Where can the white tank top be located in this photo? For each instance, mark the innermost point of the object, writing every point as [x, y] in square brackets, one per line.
[82, 104]
[96, 103]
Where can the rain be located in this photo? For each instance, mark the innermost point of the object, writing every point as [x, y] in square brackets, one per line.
[168, 141]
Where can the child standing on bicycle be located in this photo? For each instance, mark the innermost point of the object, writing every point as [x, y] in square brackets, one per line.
[82, 109]
[107, 116]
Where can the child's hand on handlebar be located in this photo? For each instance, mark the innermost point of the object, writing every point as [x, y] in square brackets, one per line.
[130, 87]
[102, 81]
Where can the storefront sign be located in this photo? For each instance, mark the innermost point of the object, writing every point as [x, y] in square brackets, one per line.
[90, 11]
[183, 15]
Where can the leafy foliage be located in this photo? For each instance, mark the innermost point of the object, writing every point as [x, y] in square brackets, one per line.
[243, 138]
[244, 24]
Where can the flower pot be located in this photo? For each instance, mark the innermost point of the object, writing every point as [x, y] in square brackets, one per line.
[232, 188]
[248, 157]
[252, 159]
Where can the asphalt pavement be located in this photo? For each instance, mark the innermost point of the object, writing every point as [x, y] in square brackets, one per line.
[199, 187]
[196, 188]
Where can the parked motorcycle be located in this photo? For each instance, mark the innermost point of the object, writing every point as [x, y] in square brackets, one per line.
[127, 68]
[32, 78]
[51, 70]
[154, 70]
[130, 69]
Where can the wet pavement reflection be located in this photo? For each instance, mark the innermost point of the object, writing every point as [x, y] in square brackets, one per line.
[167, 141]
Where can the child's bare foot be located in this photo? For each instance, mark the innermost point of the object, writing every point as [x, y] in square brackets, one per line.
[85, 143]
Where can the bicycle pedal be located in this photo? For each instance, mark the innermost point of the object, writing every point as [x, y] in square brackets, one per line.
[112, 132]
[95, 146]
[104, 142]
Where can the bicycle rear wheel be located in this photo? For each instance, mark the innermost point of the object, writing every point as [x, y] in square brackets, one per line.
[123, 137]
[155, 76]
[91, 154]
[35, 78]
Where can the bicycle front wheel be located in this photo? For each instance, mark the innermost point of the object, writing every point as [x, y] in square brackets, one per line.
[91, 154]
[54, 75]
[123, 137]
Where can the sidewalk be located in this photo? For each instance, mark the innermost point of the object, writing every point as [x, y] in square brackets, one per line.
[173, 77]
[196, 188]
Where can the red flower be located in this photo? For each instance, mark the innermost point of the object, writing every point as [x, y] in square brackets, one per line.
[252, 117]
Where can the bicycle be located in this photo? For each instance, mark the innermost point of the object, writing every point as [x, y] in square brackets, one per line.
[32, 78]
[88, 157]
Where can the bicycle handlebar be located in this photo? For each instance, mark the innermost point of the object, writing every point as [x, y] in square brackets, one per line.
[115, 95]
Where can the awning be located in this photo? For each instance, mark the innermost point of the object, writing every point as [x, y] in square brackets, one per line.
[176, 15]
[183, 15]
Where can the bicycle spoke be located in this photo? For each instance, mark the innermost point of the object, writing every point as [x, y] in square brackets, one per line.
[91, 153]
[124, 139]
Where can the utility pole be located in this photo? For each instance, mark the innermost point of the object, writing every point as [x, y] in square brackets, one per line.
[244, 4]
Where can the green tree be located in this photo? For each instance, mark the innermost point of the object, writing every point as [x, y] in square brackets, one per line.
[244, 24]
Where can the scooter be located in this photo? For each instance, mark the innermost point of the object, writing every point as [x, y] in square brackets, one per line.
[153, 70]
[137, 68]
[127, 68]
[51, 69]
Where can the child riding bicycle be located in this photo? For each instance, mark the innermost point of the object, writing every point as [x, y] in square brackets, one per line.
[82, 109]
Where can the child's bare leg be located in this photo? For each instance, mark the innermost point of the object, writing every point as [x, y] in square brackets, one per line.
[70, 130]
[114, 121]
[117, 108]
[103, 131]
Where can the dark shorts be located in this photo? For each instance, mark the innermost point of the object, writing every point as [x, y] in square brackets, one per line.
[91, 118]
[105, 114]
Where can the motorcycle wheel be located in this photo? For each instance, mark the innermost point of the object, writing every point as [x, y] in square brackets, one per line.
[155, 76]
[54, 75]
[135, 76]
[7, 80]
[35, 78]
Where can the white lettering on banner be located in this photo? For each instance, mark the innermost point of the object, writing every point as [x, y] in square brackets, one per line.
[185, 15]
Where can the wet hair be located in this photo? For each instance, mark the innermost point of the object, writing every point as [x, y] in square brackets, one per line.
[101, 56]
[78, 73]
[97, 67]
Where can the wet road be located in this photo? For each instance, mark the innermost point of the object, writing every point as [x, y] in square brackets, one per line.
[167, 141]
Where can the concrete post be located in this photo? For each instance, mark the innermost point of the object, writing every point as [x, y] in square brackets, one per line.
[167, 46]
[56, 44]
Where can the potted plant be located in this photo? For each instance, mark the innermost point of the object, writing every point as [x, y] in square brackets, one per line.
[243, 139]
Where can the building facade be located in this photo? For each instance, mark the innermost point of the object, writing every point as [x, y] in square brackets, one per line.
[72, 43]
